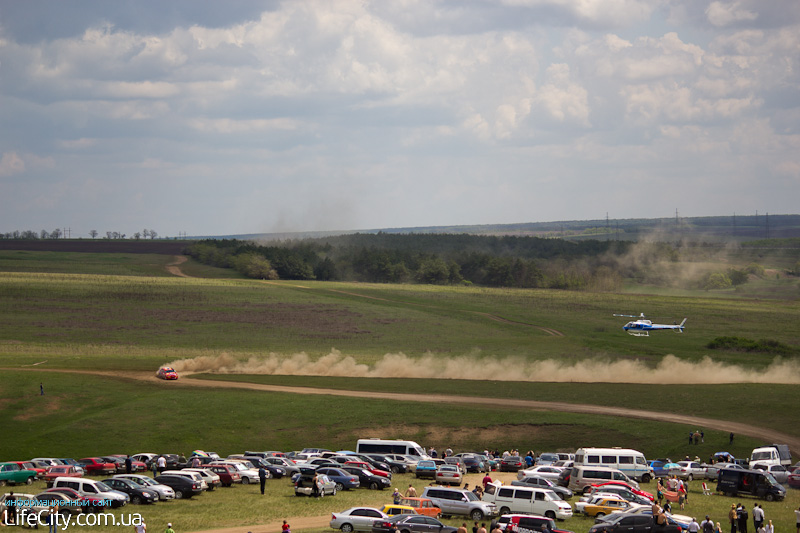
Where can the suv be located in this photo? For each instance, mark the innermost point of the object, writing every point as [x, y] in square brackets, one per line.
[523, 523]
[459, 502]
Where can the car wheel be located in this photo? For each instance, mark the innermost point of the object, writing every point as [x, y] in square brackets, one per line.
[645, 478]
[587, 490]
[346, 528]
[179, 494]
[245, 481]
[770, 497]
[339, 486]
[395, 470]
[505, 510]
[136, 500]
[476, 515]
[373, 486]
[598, 515]
[29, 481]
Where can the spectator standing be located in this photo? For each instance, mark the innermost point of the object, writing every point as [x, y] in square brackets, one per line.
[463, 528]
[732, 519]
[741, 518]
[285, 528]
[141, 527]
[707, 525]
[154, 466]
[758, 516]
[769, 528]
[169, 529]
[162, 463]
[411, 492]
[396, 497]
[128, 464]
[262, 478]
[694, 527]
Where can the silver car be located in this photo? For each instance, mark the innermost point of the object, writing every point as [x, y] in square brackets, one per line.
[356, 519]
[164, 492]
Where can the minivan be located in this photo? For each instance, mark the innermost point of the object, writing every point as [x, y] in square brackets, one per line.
[582, 477]
[91, 487]
[464, 502]
[527, 500]
[733, 482]
[632, 463]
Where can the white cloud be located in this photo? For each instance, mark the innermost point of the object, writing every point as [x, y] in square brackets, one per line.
[11, 164]
[726, 13]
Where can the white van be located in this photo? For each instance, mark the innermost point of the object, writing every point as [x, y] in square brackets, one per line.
[91, 487]
[527, 500]
[630, 462]
[582, 477]
[776, 454]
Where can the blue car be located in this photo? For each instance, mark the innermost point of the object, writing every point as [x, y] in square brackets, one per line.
[343, 480]
[426, 469]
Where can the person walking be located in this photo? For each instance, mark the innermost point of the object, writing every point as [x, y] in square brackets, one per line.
[41, 389]
[262, 478]
[396, 497]
[411, 492]
[162, 463]
[154, 466]
[285, 528]
[128, 464]
[141, 527]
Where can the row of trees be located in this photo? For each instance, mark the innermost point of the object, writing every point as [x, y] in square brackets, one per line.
[430, 259]
[58, 233]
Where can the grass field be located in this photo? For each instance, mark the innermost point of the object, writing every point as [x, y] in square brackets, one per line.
[122, 312]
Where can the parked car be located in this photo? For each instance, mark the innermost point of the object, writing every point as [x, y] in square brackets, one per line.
[184, 487]
[411, 523]
[367, 479]
[453, 501]
[248, 475]
[164, 492]
[73, 498]
[422, 506]
[60, 471]
[12, 474]
[691, 470]
[794, 479]
[393, 509]
[94, 466]
[620, 492]
[449, 475]
[28, 465]
[289, 465]
[545, 471]
[425, 469]
[136, 466]
[211, 478]
[634, 489]
[540, 482]
[228, 475]
[356, 519]
[546, 459]
[137, 493]
[512, 463]
[395, 466]
[779, 472]
[712, 471]
[606, 505]
[456, 461]
[194, 476]
[69, 502]
[630, 523]
[474, 464]
[368, 466]
[517, 523]
[274, 471]
[304, 485]
[166, 373]
[343, 480]
[92, 488]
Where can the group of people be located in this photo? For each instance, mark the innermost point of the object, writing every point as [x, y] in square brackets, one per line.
[738, 516]
[673, 484]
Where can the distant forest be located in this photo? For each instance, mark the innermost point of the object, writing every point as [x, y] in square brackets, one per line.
[493, 261]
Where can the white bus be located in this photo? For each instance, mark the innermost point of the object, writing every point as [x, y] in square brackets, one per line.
[630, 462]
[402, 447]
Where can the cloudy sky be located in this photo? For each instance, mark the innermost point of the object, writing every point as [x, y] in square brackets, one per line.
[220, 117]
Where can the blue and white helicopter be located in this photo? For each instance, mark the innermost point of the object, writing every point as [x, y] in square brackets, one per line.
[642, 327]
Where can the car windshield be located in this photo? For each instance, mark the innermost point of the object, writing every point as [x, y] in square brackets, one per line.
[471, 496]
[103, 487]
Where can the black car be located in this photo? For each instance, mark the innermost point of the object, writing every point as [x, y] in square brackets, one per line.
[396, 467]
[512, 463]
[474, 464]
[367, 478]
[183, 486]
[631, 523]
[137, 493]
[275, 471]
[411, 523]
[543, 483]
[514, 523]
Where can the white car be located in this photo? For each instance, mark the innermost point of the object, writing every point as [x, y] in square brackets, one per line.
[449, 475]
[545, 471]
[211, 479]
[779, 472]
[690, 470]
[164, 492]
[356, 519]
[249, 474]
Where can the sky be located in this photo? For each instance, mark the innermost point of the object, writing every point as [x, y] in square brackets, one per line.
[203, 117]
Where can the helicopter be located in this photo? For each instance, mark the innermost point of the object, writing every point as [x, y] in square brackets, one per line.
[642, 326]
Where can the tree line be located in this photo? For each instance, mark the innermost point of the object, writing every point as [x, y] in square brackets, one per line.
[494, 261]
[58, 233]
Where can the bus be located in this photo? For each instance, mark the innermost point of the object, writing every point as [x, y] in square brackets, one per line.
[402, 447]
[630, 462]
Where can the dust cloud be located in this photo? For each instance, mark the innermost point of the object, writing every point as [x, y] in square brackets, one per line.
[671, 369]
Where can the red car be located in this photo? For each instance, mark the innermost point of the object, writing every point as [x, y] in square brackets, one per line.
[228, 475]
[630, 488]
[27, 465]
[794, 479]
[97, 467]
[61, 471]
[369, 468]
[88, 504]
[166, 372]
